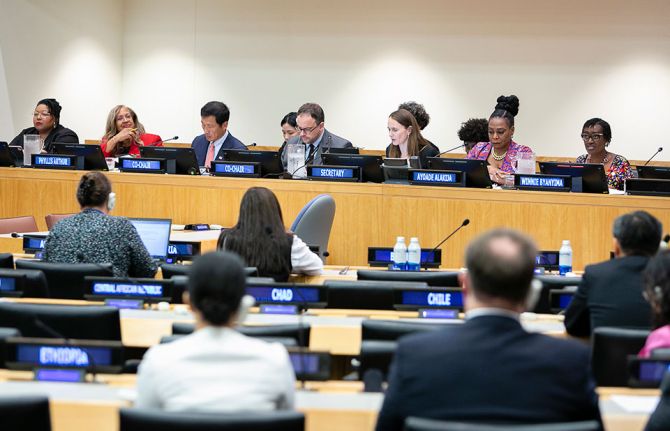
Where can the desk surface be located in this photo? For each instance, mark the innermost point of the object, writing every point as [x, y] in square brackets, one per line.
[363, 210]
[77, 406]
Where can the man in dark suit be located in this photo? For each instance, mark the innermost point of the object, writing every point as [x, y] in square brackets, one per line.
[313, 135]
[490, 369]
[210, 145]
[610, 293]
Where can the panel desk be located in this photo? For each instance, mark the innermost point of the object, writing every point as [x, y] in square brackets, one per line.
[367, 214]
[327, 405]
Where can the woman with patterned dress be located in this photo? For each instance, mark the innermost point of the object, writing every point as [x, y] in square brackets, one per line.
[501, 150]
[597, 135]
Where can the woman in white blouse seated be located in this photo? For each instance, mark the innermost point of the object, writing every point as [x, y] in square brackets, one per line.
[216, 368]
[261, 239]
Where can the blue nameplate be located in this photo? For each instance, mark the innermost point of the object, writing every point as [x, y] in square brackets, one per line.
[278, 309]
[180, 249]
[334, 173]
[125, 304]
[59, 375]
[560, 300]
[69, 356]
[438, 313]
[449, 298]
[235, 169]
[381, 256]
[143, 290]
[427, 177]
[54, 161]
[32, 244]
[142, 165]
[7, 284]
[551, 183]
[284, 294]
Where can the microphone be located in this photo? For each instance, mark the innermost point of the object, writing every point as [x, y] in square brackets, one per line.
[465, 223]
[252, 145]
[451, 149]
[164, 140]
[657, 151]
[16, 235]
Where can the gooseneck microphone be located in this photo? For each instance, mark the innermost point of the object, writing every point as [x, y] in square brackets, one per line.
[451, 149]
[162, 141]
[657, 151]
[465, 223]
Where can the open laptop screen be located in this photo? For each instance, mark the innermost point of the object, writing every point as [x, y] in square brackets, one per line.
[155, 234]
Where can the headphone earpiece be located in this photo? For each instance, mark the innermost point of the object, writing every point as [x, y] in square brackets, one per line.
[246, 303]
[658, 292]
[111, 201]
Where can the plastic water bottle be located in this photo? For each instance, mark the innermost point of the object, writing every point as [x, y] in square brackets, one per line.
[399, 257]
[565, 258]
[414, 255]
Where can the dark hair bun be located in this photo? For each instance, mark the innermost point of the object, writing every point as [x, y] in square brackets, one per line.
[509, 104]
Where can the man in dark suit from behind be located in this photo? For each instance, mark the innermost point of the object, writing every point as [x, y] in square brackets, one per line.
[610, 293]
[209, 146]
[313, 135]
[490, 369]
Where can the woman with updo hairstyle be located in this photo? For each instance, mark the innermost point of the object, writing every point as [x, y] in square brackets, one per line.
[657, 292]
[597, 135]
[500, 150]
[473, 131]
[46, 123]
[124, 134]
[94, 236]
[261, 239]
[406, 138]
[216, 368]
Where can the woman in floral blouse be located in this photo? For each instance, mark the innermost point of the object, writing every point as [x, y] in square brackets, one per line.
[597, 135]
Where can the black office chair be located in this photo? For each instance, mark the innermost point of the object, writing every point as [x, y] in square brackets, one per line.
[365, 295]
[66, 280]
[7, 260]
[24, 413]
[142, 420]
[432, 278]
[169, 270]
[379, 342]
[610, 348]
[272, 333]
[552, 282]
[419, 424]
[62, 321]
[33, 283]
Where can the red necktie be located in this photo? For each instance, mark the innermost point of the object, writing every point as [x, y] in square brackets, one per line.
[210, 155]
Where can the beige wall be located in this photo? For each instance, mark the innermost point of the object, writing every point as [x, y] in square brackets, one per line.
[567, 61]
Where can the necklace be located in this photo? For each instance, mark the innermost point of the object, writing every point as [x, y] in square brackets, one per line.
[498, 157]
[605, 160]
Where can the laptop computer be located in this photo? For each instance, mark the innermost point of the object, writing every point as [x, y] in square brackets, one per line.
[155, 234]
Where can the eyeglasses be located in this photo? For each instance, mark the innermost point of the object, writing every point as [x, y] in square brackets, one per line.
[41, 114]
[595, 136]
[307, 130]
[124, 117]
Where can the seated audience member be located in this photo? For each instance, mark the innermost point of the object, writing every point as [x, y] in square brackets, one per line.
[501, 150]
[209, 146]
[289, 129]
[260, 238]
[420, 115]
[597, 135]
[46, 123]
[314, 135]
[657, 291]
[610, 293]
[472, 131]
[94, 236]
[490, 369]
[216, 368]
[660, 418]
[124, 134]
[406, 138]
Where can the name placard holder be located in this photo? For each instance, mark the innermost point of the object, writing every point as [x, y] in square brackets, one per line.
[539, 182]
[334, 173]
[143, 165]
[647, 187]
[56, 161]
[235, 169]
[430, 177]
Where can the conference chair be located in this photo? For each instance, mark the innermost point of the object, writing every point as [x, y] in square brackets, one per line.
[62, 321]
[170, 270]
[291, 335]
[31, 282]
[420, 424]
[379, 342]
[610, 347]
[365, 295]
[552, 282]
[52, 219]
[66, 280]
[24, 412]
[7, 260]
[18, 224]
[314, 222]
[432, 278]
[142, 420]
